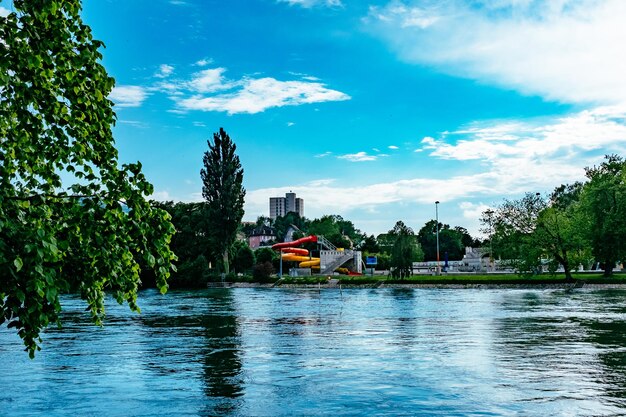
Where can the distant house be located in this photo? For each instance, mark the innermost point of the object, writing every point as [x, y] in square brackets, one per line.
[290, 231]
[260, 236]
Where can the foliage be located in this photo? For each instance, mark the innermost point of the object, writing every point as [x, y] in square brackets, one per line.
[262, 272]
[450, 241]
[385, 242]
[338, 231]
[192, 274]
[405, 250]
[243, 258]
[222, 178]
[532, 230]
[190, 242]
[266, 254]
[282, 223]
[70, 217]
[512, 225]
[369, 245]
[604, 206]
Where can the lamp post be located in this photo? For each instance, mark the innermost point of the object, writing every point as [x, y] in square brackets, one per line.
[489, 214]
[437, 233]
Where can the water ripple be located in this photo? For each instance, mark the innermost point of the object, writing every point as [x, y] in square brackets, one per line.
[243, 352]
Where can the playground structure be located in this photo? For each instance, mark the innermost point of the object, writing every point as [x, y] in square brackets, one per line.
[329, 260]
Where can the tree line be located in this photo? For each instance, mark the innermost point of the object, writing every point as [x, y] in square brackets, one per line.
[200, 259]
[577, 224]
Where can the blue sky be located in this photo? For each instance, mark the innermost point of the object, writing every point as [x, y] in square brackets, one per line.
[372, 110]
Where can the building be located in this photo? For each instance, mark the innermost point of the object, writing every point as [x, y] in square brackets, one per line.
[261, 236]
[279, 206]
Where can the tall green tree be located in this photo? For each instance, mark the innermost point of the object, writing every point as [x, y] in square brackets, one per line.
[512, 226]
[191, 243]
[450, 241]
[70, 217]
[222, 179]
[405, 250]
[243, 258]
[604, 203]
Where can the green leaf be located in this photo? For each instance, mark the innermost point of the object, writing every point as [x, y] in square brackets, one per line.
[18, 263]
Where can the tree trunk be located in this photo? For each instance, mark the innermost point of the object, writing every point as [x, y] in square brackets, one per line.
[608, 268]
[567, 269]
[225, 262]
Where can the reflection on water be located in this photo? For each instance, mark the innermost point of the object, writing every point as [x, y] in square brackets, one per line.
[304, 352]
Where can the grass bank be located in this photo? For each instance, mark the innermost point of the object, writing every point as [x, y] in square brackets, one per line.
[461, 279]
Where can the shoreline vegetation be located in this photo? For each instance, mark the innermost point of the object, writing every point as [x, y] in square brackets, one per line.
[513, 281]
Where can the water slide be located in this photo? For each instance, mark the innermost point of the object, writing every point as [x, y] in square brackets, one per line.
[291, 253]
[298, 242]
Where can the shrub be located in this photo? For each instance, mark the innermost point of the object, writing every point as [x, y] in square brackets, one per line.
[261, 272]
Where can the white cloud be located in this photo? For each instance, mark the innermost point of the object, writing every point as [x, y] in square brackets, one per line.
[330, 198]
[601, 129]
[161, 196]
[321, 182]
[392, 147]
[289, 124]
[164, 71]
[323, 155]
[511, 158]
[4, 12]
[207, 81]
[307, 4]
[358, 157]
[251, 95]
[134, 123]
[203, 62]
[128, 95]
[567, 50]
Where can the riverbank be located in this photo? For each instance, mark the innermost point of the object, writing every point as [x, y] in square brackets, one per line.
[443, 282]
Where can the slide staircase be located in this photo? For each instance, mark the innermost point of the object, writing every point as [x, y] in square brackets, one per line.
[330, 268]
[325, 243]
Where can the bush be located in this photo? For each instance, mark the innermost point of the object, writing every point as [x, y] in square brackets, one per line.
[194, 274]
[261, 272]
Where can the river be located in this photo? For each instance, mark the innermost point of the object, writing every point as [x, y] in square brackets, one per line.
[270, 352]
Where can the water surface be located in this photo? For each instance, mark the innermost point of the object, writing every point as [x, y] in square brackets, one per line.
[243, 352]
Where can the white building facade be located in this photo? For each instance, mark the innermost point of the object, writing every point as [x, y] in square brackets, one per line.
[279, 206]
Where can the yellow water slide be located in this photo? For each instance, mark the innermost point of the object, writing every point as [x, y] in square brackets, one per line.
[305, 261]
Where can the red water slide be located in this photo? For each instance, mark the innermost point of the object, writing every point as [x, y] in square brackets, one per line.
[298, 242]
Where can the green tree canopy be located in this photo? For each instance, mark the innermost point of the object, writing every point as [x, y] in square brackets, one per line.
[532, 230]
[370, 245]
[450, 241]
[340, 232]
[604, 204]
[405, 250]
[222, 179]
[70, 217]
[243, 258]
[191, 243]
[282, 224]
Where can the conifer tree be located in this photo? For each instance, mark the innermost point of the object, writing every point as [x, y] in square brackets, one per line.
[222, 178]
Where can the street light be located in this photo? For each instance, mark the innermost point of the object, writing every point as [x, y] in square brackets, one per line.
[437, 233]
[489, 214]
